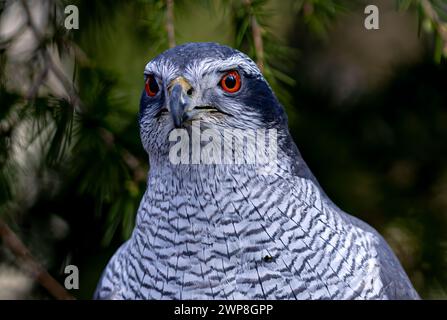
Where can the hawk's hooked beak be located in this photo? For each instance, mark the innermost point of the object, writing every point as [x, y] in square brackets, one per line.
[179, 99]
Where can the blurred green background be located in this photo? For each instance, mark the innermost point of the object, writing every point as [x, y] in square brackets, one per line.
[367, 109]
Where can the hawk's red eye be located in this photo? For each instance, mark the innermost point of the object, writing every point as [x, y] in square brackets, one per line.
[231, 82]
[151, 86]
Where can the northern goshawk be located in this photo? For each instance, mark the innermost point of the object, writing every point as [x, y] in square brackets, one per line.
[243, 230]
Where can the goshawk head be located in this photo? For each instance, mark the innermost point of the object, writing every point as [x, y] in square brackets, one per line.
[215, 84]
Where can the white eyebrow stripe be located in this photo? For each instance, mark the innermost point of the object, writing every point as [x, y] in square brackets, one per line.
[164, 68]
[198, 68]
[167, 70]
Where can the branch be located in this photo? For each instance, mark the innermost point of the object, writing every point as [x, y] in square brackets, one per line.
[50, 64]
[257, 37]
[34, 89]
[170, 22]
[259, 45]
[441, 27]
[75, 102]
[308, 8]
[36, 270]
[4, 43]
[430, 11]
